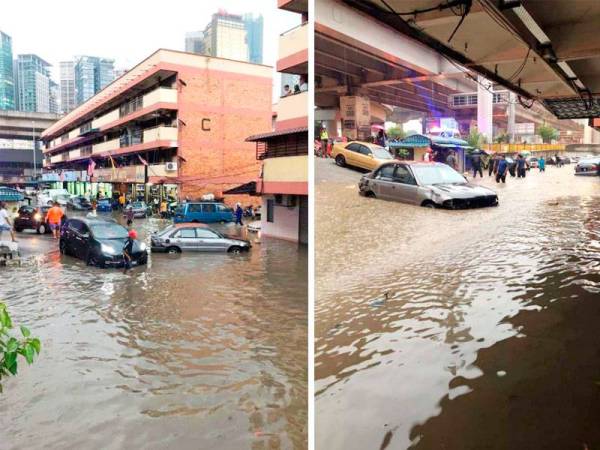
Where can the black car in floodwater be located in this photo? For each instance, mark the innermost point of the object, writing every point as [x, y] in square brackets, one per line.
[79, 203]
[32, 218]
[99, 242]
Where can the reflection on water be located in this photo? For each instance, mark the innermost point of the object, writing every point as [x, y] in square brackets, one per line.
[489, 340]
[194, 351]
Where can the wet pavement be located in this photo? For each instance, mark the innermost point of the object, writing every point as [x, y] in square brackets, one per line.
[192, 351]
[462, 330]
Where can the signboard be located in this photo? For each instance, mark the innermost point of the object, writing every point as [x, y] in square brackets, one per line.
[356, 113]
[127, 174]
[525, 128]
[66, 175]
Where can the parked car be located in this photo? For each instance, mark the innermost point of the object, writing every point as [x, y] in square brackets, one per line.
[533, 162]
[99, 242]
[575, 159]
[184, 237]
[79, 203]
[360, 154]
[589, 167]
[140, 209]
[32, 218]
[433, 185]
[206, 212]
[49, 196]
[104, 205]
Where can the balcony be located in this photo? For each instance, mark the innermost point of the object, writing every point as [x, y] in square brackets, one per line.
[105, 146]
[285, 175]
[292, 111]
[293, 50]
[106, 119]
[160, 95]
[160, 134]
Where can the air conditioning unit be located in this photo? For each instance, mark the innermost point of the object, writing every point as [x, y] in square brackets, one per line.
[171, 166]
[288, 201]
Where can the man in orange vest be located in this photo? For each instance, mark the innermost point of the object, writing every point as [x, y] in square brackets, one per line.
[53, 218]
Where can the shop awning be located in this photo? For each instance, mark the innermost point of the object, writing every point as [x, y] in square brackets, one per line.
[421, 140]
[10, 195]
[246, 188]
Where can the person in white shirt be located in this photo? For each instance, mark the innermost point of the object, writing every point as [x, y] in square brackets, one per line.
[5, 221]
[303, 84]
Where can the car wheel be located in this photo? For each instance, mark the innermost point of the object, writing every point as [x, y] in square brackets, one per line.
[62, 247]
[430, 205]
[340, 160]
[173, 250]
[234, 249]
[41, 229]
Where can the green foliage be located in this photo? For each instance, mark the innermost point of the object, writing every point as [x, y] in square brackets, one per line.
[502, 138]
[547, 133]
[402, 153]
[396, 133]
[11, 347]
[475, 138]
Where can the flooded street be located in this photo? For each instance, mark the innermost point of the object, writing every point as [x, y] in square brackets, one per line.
[192, 351]
[457, 330]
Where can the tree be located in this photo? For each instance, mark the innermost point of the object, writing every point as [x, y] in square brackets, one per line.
[547, 133]
[502, 138]
[11, 347]
[396, 133]
[475, 139]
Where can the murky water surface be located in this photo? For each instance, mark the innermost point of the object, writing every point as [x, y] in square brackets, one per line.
[192, 351]
[489, 336]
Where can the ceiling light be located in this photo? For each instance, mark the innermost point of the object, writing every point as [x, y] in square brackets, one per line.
[531, 25]
[567, 69]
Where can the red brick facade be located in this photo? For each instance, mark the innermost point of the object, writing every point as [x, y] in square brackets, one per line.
[217, 111]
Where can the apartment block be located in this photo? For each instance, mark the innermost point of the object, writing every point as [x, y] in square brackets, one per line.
[176, 122]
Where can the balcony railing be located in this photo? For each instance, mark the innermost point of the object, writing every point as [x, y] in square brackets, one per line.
[131, 106]
[292, 42]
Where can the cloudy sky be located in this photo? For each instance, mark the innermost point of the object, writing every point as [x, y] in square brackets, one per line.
[126, 30]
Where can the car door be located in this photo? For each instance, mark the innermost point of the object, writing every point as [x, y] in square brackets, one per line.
[186, 240]
[384, 181]
[351, 153]
[210, 241]
[25, 218]
[405, 185]
[364, 158]
[75, 240]
[209, 212]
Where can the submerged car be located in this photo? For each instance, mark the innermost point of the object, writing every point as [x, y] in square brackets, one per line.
[99, 242]
[185, 237]
[31, 218]
[433, 185]
[589, 167]
[49, 196]
[140, 210]
[104, 205]
[363, 155]
[79, 203]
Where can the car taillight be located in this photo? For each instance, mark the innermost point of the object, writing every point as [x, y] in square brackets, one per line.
[594, 167]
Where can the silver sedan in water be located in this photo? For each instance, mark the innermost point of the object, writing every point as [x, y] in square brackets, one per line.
[433, 185]
[195, 237]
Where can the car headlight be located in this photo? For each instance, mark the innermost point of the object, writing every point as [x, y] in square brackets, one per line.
[143, 246]
[37, 216]
[107, 249]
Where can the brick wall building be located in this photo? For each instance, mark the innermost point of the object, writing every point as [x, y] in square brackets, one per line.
[176, 119]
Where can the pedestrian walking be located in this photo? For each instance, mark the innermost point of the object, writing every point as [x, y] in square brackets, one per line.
[558, 159]
[163, 209]
[122, 201]
[502, 169]
[451, 159]
[54, 218]
[476, 162]
[6, 222]
[542, 164]
[324, 140]
[128, 249]
[521, 166]
[492, 161]
[239, 212]
[129, 215]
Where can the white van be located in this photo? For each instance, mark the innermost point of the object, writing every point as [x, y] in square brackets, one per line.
[49, 196]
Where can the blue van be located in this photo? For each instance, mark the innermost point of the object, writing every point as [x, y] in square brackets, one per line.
[205, 212]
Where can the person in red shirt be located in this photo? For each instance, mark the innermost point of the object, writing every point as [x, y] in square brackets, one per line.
[54, 218]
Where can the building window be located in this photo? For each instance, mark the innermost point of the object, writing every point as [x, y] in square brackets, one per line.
[270, 206]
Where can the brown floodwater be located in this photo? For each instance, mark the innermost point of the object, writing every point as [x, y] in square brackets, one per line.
[488, 338]
[192, 351]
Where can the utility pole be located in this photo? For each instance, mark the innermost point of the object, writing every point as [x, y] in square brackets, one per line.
[34, 155]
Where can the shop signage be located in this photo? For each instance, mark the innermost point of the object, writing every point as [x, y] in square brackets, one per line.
[127, 174]
[66, 175]
[525, 128]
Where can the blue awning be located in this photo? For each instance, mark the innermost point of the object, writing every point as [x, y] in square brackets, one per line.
[10, 195]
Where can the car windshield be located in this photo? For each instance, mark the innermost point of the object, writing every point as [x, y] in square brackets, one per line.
[381, 153]
[437, 174]
[138, 204]
[109, 231]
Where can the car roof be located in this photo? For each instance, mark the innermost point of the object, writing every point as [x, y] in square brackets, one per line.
[89, 221]
[191, 225]
[413, 163]
[368, 144]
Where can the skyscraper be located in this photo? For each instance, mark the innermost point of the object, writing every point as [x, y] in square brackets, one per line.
[7, 84]
[91, 75]
[33, 83]
[54, 103]
[254, 37]
[194, 42]
[225, 37]
[67, 86]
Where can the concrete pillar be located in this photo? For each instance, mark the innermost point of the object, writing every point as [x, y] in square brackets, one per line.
[485, 110]
[510, 124]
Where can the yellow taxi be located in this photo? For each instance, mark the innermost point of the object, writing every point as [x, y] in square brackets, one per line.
[360, 154]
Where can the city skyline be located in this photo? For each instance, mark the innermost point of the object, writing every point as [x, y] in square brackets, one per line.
[172, 24]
